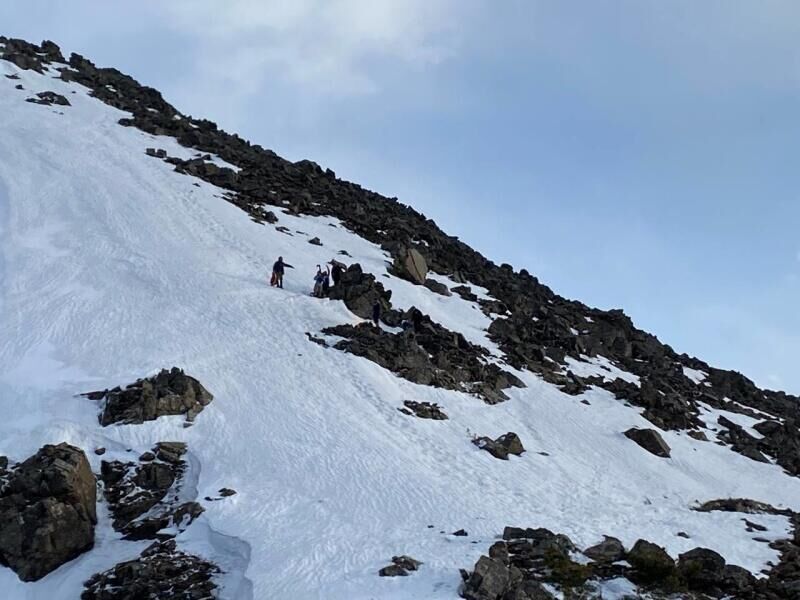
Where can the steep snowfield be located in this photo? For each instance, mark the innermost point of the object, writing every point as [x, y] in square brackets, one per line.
[113, 266]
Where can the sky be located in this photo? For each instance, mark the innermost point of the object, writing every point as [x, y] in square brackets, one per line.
[638, 154]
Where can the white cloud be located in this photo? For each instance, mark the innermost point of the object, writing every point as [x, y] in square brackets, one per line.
[340, 47]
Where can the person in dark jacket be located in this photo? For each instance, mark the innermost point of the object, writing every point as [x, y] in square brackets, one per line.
[277, 272]
[376, 314]
[336, 272]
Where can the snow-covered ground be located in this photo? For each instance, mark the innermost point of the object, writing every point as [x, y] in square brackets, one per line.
[113, 266]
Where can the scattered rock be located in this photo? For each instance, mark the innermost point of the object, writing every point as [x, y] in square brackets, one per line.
[168, 393]
[460, 533]
[400, 567]
[650, 440]
[227, 492]
[423, 410]
[100, 451]
[315, 241]
[508, 443]
[698, 435]
[47, 511]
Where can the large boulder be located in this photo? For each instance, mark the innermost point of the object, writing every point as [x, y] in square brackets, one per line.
[650, 440]
[411, 265]
[650, 562]
[702, 569]
[508, 443]
[47, 511]
[168, 393]
[610, 550]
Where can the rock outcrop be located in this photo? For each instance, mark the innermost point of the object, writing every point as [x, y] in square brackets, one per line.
[428, 354]
[47, 511]
[167, 393]
[517, 566]
[161, 571]
[144, 498]
[360, 291]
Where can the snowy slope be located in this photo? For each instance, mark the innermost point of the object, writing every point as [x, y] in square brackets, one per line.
[113, 266]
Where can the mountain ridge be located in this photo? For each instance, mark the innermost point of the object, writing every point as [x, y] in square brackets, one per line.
[534, 329]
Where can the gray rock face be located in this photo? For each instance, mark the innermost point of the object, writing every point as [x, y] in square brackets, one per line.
[168, 393]
[650, 440]
[508, 443]
[47, 511]
[161, 571]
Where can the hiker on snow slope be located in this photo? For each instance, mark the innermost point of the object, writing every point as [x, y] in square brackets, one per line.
[277, 272]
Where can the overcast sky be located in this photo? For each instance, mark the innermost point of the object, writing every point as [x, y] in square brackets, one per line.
[636, 154]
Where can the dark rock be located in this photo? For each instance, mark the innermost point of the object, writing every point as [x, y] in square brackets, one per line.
[424, 410]
[508, 443]
[168, 393]
[100, 451]
[393, 571]
[161, 571]
[428, 354]
[742, 505]
[227, 492]
[465, 292]
[702, 569]
[49, 98]
[315, 241]
[650, 440]
[460, 533]
[144, 499]
[437, 287]
[47, 512]
[650, 562]
[698, 435]
[608, 551]
[489, 580]
[360, 292]
[400, 567]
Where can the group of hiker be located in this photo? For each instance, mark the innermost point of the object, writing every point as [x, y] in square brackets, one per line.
[322, 281]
